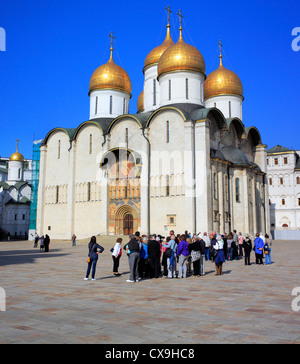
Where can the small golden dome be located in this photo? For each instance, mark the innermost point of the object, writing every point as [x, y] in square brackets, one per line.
[110, 76]
[154, 56]
[17, 156]
[222, 82]
[140, 102]
[181, 57]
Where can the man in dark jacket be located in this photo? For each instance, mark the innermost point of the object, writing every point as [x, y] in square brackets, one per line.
[133, 258]
[154, 257]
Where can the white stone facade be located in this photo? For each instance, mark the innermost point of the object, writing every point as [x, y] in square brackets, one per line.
[284, 191]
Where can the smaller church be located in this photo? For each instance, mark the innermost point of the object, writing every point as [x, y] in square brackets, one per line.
[185, 160]
[15, 193]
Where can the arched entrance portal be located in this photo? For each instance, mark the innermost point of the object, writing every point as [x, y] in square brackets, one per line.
[126, 220]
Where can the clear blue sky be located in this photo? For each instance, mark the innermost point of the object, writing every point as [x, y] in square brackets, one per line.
[53, 47]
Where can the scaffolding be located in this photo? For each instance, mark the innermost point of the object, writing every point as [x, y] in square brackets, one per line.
[34, 187]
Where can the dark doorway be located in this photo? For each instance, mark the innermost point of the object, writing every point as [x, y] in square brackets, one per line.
[128, 224]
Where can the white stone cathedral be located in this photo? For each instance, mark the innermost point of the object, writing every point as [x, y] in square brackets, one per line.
[184, 161]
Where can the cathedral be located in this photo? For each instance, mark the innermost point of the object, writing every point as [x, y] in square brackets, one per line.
[184, 161]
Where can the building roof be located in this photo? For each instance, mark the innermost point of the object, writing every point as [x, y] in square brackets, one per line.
[279, 149]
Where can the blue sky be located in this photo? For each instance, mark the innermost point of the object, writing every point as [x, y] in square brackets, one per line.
[53, 47]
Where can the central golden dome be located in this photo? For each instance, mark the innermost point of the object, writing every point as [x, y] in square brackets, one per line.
[222, 81]
[110, 76]
[154, 56]
[181, 57]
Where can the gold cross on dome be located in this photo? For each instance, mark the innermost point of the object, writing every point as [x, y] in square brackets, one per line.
[220, 46]
[111, 38]
[180, 17]
[17, 144]
[169, 11]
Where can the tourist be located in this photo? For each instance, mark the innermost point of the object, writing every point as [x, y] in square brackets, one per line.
[47, 242]
[164, 261]
[183, 253]
[116, 255]
[220, 258]
[154, 257]
[207, 245]
[212, 242]
[241, 241]
[73, 240]
[234, 245]
[197, 251]
[230, 242]
[189, 261]
[224, 238]
[258, 247]
[143, 263]
[170, 256]
[247, 245]
[267, 249]
[36, 240]
[133, 257]
[94, 250]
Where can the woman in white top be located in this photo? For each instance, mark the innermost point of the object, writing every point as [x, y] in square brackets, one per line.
[220, 258]
[116, 255]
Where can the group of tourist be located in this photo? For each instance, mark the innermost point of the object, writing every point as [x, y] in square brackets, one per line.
[153, 256]
[44, 242]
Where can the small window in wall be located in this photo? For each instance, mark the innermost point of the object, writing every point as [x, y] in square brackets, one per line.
[89, 191]
[91, 144]
[171, 219]
[110, 104]
[298, 201]
[281, 180]
[283, 202]
[124, 106]
[168, 132]
[237, 190]
[285, 160]
[126, 137]
[215, 185]
[230, 109]
[16, 216]
[58, 150]
[298, 180]
[270, 181]
[276, 161]
[96, 105]
[170, 92]
[167, 185]
[187, 88]
[57, 194]
[154, 92]
[267, 161]
[23, 217]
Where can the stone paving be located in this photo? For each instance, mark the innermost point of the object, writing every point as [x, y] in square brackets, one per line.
[47, 300]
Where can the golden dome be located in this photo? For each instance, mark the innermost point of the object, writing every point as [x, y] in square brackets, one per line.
[110, 76]
[222, 82]
[17, 156]
[181, 57]
[140, 102]
[154, 56]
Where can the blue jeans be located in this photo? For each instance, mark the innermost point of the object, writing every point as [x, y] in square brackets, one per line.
[207, 253]
[229, 253]
[91, 264]
[268, 257]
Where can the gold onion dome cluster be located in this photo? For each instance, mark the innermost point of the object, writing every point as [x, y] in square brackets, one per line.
[222, 81]
[181, 57]
[110, 76]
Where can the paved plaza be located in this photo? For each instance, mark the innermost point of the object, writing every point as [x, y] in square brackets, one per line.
[47, 300]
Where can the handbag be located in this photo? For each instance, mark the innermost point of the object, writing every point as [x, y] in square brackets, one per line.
[214, 252]
[168, 253]
[88, 260]
[267, 252]
[195, 254]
